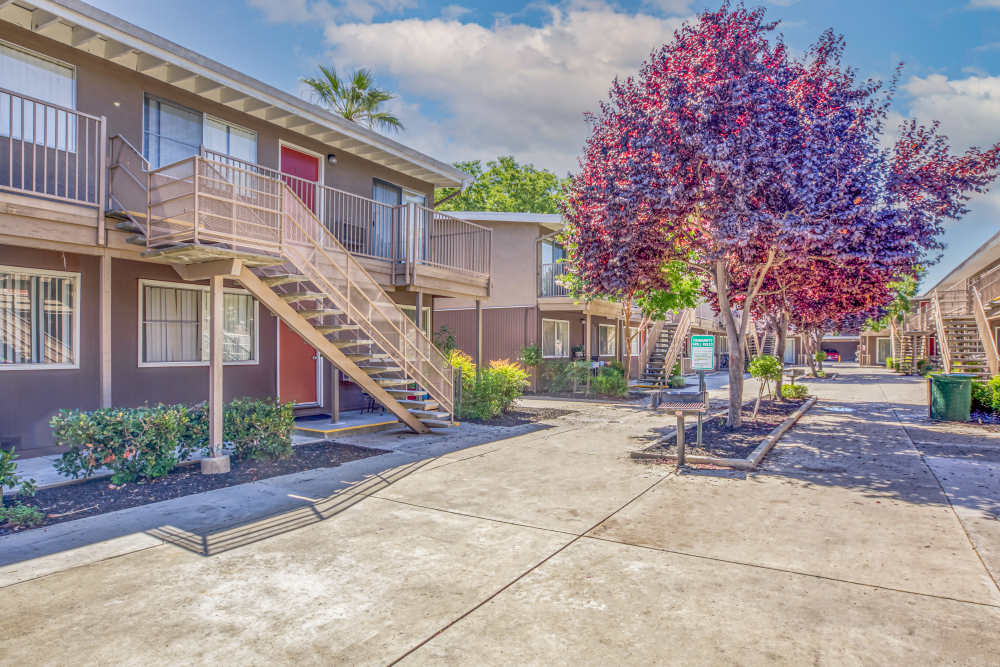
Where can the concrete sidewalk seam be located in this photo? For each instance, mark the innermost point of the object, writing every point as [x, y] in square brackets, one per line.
[944, 493]
[800, 573]
[482, 518]
[86, 564]
[528, 571]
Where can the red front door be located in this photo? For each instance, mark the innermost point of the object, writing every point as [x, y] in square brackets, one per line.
[305, 170]
[296, 368]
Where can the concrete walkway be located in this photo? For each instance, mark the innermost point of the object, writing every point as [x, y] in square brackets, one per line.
[870, 536]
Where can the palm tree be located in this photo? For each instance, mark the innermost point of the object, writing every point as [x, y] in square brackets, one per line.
[355, 99]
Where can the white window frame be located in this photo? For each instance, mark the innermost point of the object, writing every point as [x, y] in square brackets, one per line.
[75, 276]
[204, 119]
[70, 146]
[613, 338]
[568, 347]
[143, 283]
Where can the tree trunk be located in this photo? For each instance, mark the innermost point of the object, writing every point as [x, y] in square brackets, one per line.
[780, 334]
[736, 337]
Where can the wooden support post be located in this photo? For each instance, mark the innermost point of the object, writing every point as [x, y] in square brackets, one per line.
[479, 337]
[104, 330]
[335, 401]
[680, 438]
[217, 462]
[420, 310]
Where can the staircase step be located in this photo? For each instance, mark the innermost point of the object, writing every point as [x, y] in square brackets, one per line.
[136, 239]
[321, 312]
[394, 382]
[430, 415]
[342, 344]
[436, 423]
[418, 406]
[337, 328]
[303, 296]
[129, 226]
[284, 279]
[372, 370]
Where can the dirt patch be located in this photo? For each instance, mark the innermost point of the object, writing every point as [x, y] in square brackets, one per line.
[99, 496]
[521, 416]
[720, 442]
[632, 396]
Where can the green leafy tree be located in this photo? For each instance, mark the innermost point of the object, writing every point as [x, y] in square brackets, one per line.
[355, 98]
[505, 185]
[904, 289]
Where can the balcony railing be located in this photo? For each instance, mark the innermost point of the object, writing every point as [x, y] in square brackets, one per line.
[404, 235]
[551, 279]
[51, 151]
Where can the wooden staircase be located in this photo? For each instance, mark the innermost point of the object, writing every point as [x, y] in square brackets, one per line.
[666, 351]
[768, 343]
[206, 215]
[965, 346]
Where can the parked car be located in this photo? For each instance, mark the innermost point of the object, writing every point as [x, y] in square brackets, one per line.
[832, 355]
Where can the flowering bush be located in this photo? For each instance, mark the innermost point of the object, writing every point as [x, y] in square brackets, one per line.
[495, 391]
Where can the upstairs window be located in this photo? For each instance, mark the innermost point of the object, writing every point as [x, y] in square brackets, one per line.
[229, 139]
[171, 132]
[35, 76]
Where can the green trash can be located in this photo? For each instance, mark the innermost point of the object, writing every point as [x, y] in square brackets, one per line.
[950, 397]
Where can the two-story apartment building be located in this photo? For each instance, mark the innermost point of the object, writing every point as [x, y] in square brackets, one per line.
[173, 230]
[530, 306]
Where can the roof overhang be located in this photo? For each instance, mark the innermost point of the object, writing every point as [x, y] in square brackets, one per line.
[980, 259]
[106, 36]
[551, 221]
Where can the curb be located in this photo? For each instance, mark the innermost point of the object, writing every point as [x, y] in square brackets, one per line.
[751, 461]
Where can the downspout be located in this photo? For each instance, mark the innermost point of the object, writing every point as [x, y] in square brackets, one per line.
[459, 190]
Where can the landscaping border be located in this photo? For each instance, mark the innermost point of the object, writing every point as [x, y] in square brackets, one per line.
[749, 463]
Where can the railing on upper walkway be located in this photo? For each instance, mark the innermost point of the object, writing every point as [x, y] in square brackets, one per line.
[405, 235]
[51, 151]
[551, 279]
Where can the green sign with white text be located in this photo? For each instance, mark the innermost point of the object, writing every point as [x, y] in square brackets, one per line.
[702, 353]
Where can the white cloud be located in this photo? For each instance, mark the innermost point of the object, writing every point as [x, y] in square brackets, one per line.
[985, 4]
[302, 11]
[969, 111]
[454, 12]
[510, 88]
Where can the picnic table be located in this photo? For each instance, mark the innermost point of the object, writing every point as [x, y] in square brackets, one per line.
[793, 373]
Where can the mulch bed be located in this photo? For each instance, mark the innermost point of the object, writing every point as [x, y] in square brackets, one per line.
[99, 496]
[989, 420]
[720, 442]
[632, 396]
[521, 416]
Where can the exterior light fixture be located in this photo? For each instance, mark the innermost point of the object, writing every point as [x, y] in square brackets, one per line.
[331, 159]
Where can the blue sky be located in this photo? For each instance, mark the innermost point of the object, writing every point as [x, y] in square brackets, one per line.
[479, 79]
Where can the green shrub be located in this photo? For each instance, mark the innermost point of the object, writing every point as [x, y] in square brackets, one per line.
[923, 365]
[259, 429]
[794, 391]
[676, 382]
[149, 441]
[21, 516]
[820, 356]
[531, 356]
[9, 479]
[142, 442]
[889, 364]
[986, 395]
[444, 340]
[496, 390]
[610, 382]
[765, 367]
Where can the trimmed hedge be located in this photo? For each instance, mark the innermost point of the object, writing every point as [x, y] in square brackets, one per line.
[986, 395]
[794, 391]
[149, 441]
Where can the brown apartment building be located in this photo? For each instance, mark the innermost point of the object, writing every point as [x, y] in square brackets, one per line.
[529, 306]
[172, 230]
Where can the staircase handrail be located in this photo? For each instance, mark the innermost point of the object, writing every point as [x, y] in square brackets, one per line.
[680, 334]
[985, 336]
[357, 277]
[942, 338]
